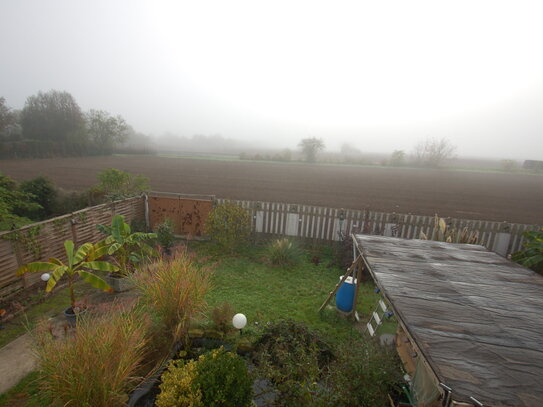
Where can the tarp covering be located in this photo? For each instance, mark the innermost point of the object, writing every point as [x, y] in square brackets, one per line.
[476, 316]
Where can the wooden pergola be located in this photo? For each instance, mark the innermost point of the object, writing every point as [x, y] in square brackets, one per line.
[470, 321]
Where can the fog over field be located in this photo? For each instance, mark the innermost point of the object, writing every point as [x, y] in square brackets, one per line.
[380, 76]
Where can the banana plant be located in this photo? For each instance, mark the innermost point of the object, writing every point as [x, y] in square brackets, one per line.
[78, 263]
[125, 247]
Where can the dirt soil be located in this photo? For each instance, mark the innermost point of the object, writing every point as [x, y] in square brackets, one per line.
[463, 194]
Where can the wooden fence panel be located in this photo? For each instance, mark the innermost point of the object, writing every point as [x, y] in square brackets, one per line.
[43, 240]
[187, 213]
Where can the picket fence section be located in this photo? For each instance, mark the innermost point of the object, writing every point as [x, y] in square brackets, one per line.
[331, 224]
[42, 240]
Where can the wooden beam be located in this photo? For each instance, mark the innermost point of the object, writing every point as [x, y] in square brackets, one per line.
[350, 270]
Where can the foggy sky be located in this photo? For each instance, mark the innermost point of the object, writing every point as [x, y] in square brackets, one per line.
[379, 75]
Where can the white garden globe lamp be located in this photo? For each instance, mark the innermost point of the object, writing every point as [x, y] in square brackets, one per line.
[239, 321]
[45, 276]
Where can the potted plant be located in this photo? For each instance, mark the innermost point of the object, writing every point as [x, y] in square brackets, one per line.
[126, 248]
[78, 263]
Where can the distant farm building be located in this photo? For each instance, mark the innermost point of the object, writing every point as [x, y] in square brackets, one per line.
[533, 165]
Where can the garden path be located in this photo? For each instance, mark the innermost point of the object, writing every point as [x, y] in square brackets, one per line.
[16, 361]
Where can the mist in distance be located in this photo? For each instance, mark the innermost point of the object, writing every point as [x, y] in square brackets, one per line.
[378, 76]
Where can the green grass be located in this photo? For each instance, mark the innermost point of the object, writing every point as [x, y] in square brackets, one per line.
[266, 293]
[26, 393]
[54, 305]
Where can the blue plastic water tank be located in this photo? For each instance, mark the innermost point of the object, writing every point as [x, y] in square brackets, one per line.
[345, 295]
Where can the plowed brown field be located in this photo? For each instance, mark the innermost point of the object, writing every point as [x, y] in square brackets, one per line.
[472, 195]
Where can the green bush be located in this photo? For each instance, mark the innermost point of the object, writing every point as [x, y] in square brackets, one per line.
[363, 374]
[284, 252]
[229, 225]
[295, 359]
[532, 254]
[44, 193]
[165, 235]
[217, 379]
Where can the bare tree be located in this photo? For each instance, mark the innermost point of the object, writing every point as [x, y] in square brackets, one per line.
[432, 152]
[310, 147]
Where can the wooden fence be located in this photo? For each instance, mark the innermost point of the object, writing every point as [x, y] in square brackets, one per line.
[328, 224]
[40, 241]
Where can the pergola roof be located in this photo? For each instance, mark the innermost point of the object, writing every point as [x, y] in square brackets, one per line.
[476, 316]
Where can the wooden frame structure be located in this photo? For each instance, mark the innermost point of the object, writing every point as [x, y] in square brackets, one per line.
[469, 320]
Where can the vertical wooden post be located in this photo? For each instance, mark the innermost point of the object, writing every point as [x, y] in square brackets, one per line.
[356, 276]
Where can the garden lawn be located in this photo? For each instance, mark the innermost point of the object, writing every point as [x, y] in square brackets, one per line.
[266, 293]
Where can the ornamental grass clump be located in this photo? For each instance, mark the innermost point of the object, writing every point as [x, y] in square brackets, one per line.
[284, 252]
[217, 379]
[96, 366]
[173, 291]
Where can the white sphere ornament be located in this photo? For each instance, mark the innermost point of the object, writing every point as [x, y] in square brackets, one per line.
[239, 321]
[45, 276]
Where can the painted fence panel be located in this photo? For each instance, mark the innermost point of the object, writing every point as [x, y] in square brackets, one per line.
[329, 224]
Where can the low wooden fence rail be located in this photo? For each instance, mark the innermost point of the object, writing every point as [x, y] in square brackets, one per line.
[40, 241]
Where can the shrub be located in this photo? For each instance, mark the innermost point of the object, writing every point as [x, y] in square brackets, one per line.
[44, 193]
[284, 252]
[295, 359]
[174, 290]
[288, 346]
[98, 365]
[229, 225]
[222, 317]
[115, 184]
[165, 235]
[217, 379]
[532, 254]
[363, 374]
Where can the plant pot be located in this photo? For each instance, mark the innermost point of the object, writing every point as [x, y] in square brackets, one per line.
[119, 283]
[72, 317]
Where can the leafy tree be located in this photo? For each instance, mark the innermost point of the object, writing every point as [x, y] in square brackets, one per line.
[106, 131]
[310, 147]
[397, 158]
[53, 116]
[116, 184]
[7, 119]
[14, 204]
[44, 193]
[432, 152]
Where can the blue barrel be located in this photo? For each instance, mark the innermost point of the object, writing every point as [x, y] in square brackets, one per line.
[345, 295]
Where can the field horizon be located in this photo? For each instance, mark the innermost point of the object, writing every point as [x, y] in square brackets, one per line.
[468, 194]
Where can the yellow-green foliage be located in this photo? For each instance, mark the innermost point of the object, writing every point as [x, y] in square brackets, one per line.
[96, 366]
[284, 252]
[174, 291]
[217, 379]
[229, 225]
[177, 387]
